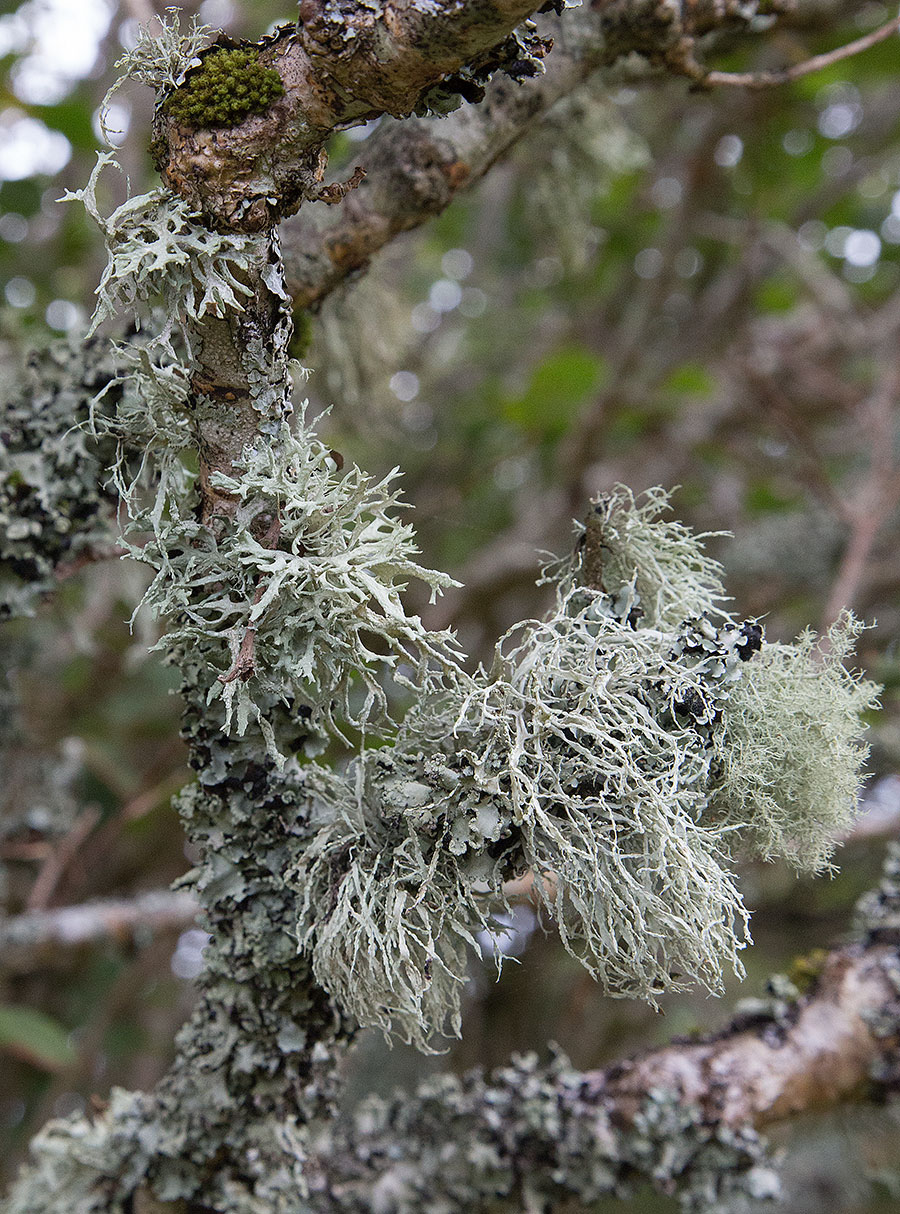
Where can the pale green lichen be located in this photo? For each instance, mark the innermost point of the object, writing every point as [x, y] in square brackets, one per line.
[163, 53]
[160, 254]
[323, 601]
[591, 756]
[789, 755]
[534, 1136]
[54, 505]
[159, 58]
[673, 577]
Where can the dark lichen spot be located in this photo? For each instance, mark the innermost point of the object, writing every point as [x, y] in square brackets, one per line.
[230, 84]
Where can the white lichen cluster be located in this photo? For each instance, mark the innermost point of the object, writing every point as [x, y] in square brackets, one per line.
[162, 53]
[320, 599]
[159, 253]
[621, 752]
[323, 603]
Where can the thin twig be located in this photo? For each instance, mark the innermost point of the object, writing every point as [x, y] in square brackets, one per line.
[60, 858]
[765, 80]
[876, 499]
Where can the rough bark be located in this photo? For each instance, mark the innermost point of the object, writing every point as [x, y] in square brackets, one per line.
[342, 64]
[415, 168]
[554, 1133]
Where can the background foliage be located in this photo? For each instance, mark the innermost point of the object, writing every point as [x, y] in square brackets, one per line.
[657, 287]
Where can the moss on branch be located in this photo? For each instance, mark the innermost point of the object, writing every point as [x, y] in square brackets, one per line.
[229, 84]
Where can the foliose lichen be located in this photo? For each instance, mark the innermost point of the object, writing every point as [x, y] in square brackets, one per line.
[533, 1136]
[229, 84]
[55, 506]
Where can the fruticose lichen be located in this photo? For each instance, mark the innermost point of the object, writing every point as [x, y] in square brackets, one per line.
[162, 53]
[159, 253]
[229, 85]
[594, 755]
[323, 602]
[788, 759]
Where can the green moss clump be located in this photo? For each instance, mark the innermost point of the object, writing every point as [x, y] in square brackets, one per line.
[230, 84]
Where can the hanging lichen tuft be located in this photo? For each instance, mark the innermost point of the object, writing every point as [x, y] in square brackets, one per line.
[621, 751]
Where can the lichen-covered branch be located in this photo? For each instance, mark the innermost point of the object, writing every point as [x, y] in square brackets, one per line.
[414, 168]
[622, 750]
[341, 64]
[245, 164]
[683, 1117]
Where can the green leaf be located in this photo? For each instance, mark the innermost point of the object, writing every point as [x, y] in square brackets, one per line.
[690, 378]
[559, 388]
[35, 1037]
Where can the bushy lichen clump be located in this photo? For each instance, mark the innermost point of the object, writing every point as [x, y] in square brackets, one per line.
[322, 598]
[229, 85]
[619, 752]
[788, 760]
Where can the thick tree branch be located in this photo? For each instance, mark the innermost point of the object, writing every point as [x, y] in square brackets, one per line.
[416, 167]
[340, 65]
[549, 1133]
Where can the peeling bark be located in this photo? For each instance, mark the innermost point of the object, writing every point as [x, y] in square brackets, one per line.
[820, 1054]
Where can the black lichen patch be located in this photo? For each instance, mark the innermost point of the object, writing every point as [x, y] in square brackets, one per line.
[230, 84]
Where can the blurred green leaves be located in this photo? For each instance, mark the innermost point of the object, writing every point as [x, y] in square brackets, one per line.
[558, 389]
[35, 1037]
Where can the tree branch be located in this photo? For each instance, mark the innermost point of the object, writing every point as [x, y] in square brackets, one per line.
[415, 168]
[763, 80]
[39, 939]
[682, 1116]
[340, 65]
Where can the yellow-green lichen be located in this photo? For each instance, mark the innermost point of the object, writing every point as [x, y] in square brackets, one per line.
[230, 84]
